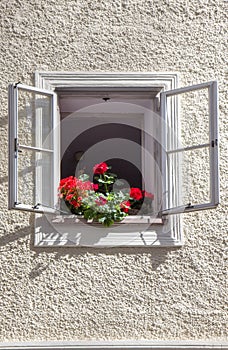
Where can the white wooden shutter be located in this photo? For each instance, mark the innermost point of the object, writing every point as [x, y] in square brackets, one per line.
[190, 157]
[33, 149]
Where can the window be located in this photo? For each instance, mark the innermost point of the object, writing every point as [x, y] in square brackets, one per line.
[146, 134]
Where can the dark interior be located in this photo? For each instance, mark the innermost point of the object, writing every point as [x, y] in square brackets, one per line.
[122, 168]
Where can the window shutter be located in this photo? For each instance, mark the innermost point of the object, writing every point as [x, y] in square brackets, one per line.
[190, 148]
[33, 149]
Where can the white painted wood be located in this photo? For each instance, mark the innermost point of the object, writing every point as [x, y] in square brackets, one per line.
[214, 137]
[66, 233]
[169, 208]
[56, 146]
[37, 208]
[72, 231]
[14, 148]
[75, 80]
[12, 136]
[189, 88]
[33, 89]
[38, 149]
[188, 148]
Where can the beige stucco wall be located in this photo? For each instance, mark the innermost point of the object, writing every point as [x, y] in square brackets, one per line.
[72, 293]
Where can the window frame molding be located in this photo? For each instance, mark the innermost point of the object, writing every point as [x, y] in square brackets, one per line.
[54, 80]
[60, 81]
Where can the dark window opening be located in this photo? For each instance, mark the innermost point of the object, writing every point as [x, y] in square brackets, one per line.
[121, 167]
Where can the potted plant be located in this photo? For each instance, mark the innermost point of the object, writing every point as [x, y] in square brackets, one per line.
[97, 201]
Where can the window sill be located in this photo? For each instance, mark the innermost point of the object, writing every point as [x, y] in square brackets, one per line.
[133, 231]
[133, 219]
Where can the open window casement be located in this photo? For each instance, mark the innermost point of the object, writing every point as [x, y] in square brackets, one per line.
[33, 149]
[190, 159]
[184, 170]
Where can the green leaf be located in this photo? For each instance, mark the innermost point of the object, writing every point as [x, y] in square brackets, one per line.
[108, 222]
[89, 214]
[101, 181]
[102, 220]
[113, 175]
[83, 177]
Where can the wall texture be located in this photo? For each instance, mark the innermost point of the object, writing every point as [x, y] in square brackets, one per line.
[79, 294]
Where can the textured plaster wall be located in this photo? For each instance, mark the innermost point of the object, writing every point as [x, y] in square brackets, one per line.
[71, 293]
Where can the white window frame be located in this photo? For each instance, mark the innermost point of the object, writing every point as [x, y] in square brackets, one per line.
[15, 147]
[212, 87]
[167, 234]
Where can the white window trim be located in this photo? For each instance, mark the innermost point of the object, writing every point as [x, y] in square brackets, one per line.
[14, 146]
[53, 80]
[168, 234]
[212, 145]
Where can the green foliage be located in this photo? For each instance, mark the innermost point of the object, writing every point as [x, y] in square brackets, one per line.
[105, 209]
[98, 201]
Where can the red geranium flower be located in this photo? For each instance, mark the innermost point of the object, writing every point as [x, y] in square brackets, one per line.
[136, 193]
[101, 201]
[69, 197]
[75, 203]
[95, 187]
[67, 183]
[148, 195]
[125, 206]
[100, 168]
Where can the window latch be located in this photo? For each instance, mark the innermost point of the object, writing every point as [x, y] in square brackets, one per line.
[189, 206]
[36, 206]
[214, 143]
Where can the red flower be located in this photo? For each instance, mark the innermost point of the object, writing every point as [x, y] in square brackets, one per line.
[148, 194]
[75, 203]
[125, 206]
[72, 190]
[136, 193]
[95, 187]
[69, 197]
[100, 168]
[67, 183]
[101, 201]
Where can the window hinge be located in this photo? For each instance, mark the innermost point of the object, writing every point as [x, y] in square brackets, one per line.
[214, 143]
[16, 145]
[15, 85]
[189, 206]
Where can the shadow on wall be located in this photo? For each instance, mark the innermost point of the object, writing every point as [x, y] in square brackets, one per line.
[25, 171]
[4, 120]
[54, 255]
[13, 236]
